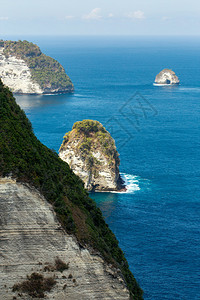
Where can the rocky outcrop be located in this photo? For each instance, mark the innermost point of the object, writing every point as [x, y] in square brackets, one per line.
[33, 242]
[17, 76]
[26, 70]
[166, 77]
[91, 153]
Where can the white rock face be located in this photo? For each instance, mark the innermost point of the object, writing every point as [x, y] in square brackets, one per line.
[16, 75]
[166, 77]
[31, 238]
[107, 177]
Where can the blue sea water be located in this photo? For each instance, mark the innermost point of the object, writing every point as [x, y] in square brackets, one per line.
[157, 132]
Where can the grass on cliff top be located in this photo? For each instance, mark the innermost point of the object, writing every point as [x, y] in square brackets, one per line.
[46, 71]
[25, 158]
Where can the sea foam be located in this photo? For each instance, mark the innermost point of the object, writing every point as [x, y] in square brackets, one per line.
[131, 182]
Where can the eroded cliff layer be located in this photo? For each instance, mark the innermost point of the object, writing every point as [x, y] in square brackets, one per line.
[33, 242]
[91, 153]
[26, 70]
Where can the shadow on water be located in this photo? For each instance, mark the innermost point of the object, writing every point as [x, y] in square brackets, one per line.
[106, 201]
[41, 101]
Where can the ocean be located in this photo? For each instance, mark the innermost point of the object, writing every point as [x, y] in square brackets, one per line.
[157, 133]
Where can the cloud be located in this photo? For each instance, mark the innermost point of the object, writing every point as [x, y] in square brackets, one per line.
[69, 17]
[93, 15]
[110, 15]
[138, 14]
[3, 18]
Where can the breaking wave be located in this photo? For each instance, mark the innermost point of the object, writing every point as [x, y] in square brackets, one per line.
[132, 183]
[190, 89]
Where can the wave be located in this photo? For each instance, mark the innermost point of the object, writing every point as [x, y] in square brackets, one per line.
[190, 89]
[54, 94]
[134, 183]
[184, 89]
[165, 84]
[82, 96]
[79, 96]
[131, 182]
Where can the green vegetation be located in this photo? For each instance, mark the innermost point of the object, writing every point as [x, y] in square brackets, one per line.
[1, 43]
[88, 126]
[46, 71]
[92, 135]
[25, 158]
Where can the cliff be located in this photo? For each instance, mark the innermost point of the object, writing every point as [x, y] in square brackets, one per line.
[26, 70]
[32, 242]
[91, 153]
[166, 77]
[54, 240]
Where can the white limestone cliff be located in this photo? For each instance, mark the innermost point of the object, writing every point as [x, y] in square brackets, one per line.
[107, 177]
[31, 239]
[15, 74]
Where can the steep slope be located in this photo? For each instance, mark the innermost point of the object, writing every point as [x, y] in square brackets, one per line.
[25, 69]
[90, 151]
[24, 158]
[32, 242]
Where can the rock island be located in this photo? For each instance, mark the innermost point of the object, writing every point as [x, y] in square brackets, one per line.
[166, 77]
[90, 151]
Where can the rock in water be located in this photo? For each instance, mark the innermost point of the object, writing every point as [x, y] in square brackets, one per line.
[26, 70]
[166, 77]
[91, 153]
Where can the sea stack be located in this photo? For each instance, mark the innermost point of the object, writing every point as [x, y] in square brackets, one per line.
[166, 77]
[91, 153]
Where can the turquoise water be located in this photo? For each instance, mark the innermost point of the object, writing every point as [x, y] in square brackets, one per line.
[157, 134]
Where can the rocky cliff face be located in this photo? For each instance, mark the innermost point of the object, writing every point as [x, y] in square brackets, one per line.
[32, 241]
[91, 153]
[17, 76]
[166, 77]
[26, 70]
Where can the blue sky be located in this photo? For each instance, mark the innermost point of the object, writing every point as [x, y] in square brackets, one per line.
[100, 17]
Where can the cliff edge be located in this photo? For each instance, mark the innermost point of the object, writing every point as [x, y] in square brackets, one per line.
[54, 240]
[91, 153]
[26, 70]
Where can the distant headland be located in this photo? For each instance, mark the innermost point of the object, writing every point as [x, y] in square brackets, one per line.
[26, 70]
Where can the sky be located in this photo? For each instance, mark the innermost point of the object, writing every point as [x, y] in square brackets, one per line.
[99, 17]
